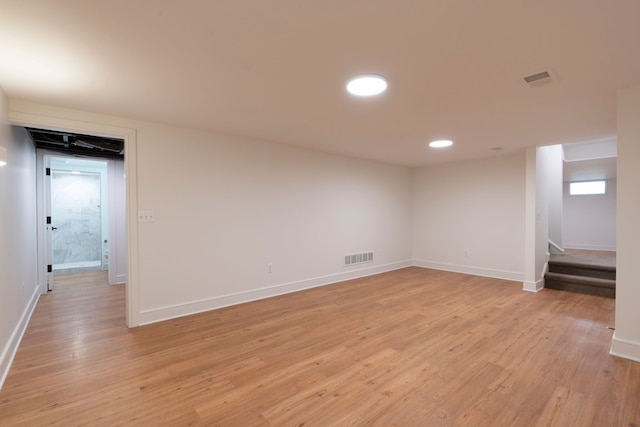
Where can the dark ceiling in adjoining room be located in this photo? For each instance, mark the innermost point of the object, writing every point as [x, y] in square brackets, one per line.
[77, 144]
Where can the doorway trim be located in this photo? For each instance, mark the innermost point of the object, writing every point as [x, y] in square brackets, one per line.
[130, 162]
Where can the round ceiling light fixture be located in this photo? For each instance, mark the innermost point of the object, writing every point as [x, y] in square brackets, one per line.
[441, 143]
[367, 85]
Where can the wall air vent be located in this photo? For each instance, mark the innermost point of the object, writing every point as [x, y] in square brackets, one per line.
[358, 258]
[538, 78]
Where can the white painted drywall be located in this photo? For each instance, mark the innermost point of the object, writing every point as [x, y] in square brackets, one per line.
[226, 207]
[589, 221]
[541, 163]
[475, 206]
[18, 278]
[532, 281]
[546, 161]
[626, 340]
[591, 150]
[554, 159]
[117, 223]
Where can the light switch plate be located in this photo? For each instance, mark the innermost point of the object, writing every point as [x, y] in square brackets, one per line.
[146, 216]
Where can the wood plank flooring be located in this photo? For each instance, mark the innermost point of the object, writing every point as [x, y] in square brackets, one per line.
[414, 347]
[71, 282]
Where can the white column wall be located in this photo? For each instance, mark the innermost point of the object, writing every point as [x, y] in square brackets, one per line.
[626, 339]
[532, 281]
[117, 223]
[554, 181]
[544, 188]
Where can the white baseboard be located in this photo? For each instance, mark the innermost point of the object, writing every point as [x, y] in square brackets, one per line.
[474, 271]
[590, 247]
[170, 312]
[538, 285]
[533, 286]
[11, 347]
[625, 349]
[120, 279]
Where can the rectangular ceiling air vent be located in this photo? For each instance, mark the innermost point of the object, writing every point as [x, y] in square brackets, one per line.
[538, 78]
[358, 258]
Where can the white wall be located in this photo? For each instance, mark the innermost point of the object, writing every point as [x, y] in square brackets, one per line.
[225, 207]
[589, 221]
[543, 192]
[554, 168]
[532, 280]
[626, 339]
[475, 206]
[117, 223]
[18, 278]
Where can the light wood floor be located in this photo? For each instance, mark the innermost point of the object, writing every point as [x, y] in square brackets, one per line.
[414, 347]
[88, 280]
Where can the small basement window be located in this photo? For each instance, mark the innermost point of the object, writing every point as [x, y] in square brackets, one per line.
[587, 187]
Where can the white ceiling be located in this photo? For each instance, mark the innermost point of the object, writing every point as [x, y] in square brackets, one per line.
[276, 69]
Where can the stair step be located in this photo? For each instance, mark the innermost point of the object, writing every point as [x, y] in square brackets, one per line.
[561, 260]
[575, 269]
[578, 283]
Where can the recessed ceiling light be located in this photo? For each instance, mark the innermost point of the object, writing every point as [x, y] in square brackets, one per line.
[367, 85]
[441, 143]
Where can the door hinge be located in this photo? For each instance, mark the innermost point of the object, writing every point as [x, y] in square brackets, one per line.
[48, 171]
[49, 268]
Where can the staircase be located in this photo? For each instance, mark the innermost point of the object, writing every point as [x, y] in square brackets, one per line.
[585, 274]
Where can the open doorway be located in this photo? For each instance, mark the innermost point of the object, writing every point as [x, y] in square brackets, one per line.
[80, 196]
[128, 242]
[589, 217]
[82, 207]
[585, 207]
[79, 215]
[84, 213]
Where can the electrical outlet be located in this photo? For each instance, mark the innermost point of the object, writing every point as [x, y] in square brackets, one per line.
[466, 252]
[146, 216]
[269, 268]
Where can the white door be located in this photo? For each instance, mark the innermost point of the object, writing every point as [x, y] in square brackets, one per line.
[76, 219]
[48, 228]
[74, 215]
